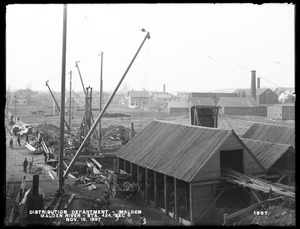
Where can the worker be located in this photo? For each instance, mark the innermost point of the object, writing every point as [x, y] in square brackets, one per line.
[143, 220]
[18, 119]
[45, 157]
[133, 192]
[25, 163]
[30, 165]
[11, 143]
[27, 139]
[18, 140]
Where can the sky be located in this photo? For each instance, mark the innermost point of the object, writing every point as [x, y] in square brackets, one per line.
[193, 47]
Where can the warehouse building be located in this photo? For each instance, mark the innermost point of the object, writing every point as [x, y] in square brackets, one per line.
[237, 105]
[181, 166]
[282, 111]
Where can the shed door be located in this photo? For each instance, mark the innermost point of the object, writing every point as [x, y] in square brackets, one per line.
[232, 159]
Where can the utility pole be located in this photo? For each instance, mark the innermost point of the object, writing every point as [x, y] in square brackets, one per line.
[16, 109]
[56, 102]
[70, 105]
[101, 88]
[62, 113]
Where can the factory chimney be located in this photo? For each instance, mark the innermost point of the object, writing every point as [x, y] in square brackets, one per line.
[253, 85]
[164, 88]
[258, 82]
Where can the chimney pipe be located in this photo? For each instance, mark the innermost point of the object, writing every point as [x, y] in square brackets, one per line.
[164, 88]
[253, 85]
[258, 82]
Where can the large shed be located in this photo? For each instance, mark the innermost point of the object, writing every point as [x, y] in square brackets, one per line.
[277, 159]
[271, 133]
[237, 105]
[181, 166]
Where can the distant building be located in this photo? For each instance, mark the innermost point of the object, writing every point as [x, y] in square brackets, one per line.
[162, 97]
[203, 101]
[263, 95]
[137, 98]
[183, 95]
[237, 106]
[282, 111]
[20, 102]
[280, 90]
[213, 94]
[178, 108]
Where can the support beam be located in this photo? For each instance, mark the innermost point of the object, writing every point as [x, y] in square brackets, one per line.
[175, 199]
[165, 193]
[118, 164]
[130, 169]
[191, 203]
[103, 110]
[155, 189]
[146, 185]
[138, 174]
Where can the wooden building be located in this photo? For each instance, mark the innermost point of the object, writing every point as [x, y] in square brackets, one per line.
[263, 95]
[137, 98]
[285, 111]
[237, 105]
[181, 166]
[271, 133]
[277, 159]
[176, 108]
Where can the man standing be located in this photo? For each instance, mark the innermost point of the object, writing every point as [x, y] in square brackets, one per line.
[45, 157]
[25, 163]
[11, 143]
[27, 139]
[143, 220]
[18, 140]
[30, 165]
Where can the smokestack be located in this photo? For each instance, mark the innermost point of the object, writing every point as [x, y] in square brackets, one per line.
[253, 85]
[164, 88]
[258, 82]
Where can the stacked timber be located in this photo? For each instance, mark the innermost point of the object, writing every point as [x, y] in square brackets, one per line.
[235, 177]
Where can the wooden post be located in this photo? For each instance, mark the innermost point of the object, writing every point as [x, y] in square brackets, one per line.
[146, 185]
[124, 164]
[155, 189]
[130, 169]
[191, 203]
[115, 165]
[225, 219]
[165, 194]
[138, 174]
[175, 200]
[118, 164]
[214, 193]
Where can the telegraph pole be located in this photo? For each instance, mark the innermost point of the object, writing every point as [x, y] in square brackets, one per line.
[101, 88]
[70, 108]
[16, 109]
[62, 113]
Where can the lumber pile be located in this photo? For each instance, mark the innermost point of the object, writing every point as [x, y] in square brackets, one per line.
[235, 177]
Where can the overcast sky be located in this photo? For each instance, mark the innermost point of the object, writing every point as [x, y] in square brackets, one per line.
[193, 47]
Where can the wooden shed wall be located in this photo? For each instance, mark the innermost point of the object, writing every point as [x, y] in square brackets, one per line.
[202, 199]
[210, 170]
[250, 165]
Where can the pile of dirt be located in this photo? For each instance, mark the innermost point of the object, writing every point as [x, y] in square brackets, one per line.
[116, 132]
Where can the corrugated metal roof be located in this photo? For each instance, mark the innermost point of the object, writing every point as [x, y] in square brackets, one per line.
[176, 150]
[202, 101]
[267, 153]
[138, 94]
[237, 102]
[271, 133]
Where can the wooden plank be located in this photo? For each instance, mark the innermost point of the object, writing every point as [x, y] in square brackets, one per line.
[146, 190]
[280, 179]
[57, 203]
[258, 200]
[96, 162]
[69, 201]
[191, 203]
